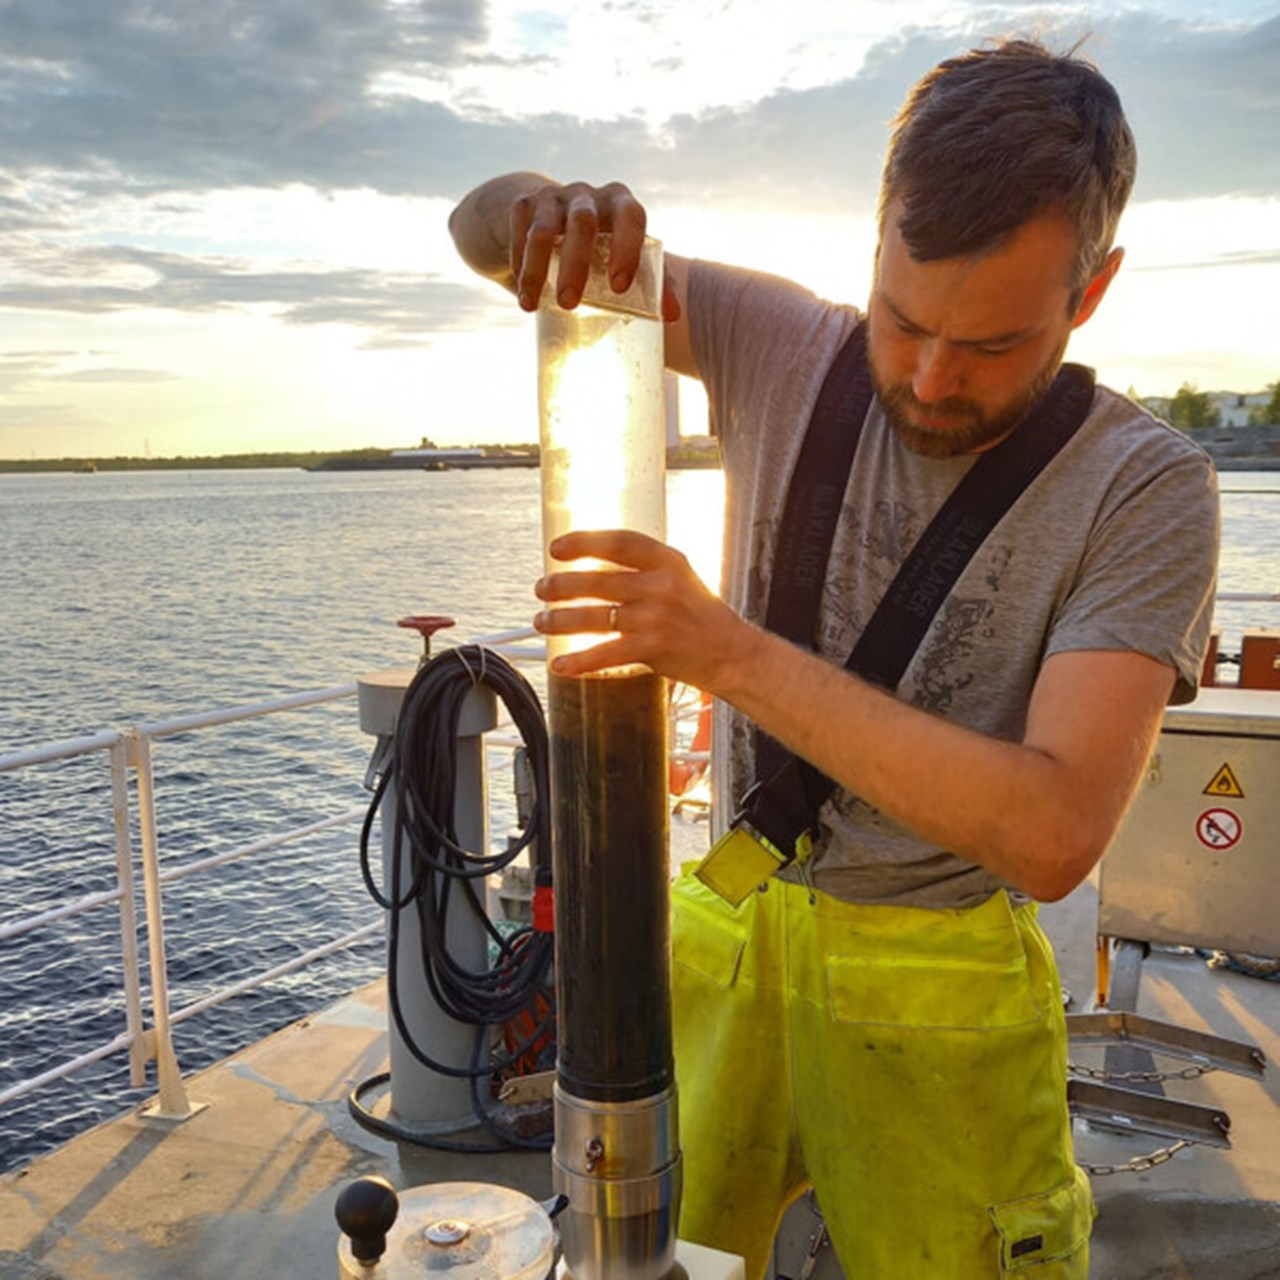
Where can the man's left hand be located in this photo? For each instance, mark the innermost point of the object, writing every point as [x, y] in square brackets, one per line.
[648, 599]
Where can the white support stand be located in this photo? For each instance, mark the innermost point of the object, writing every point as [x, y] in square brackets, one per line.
[423, 1099]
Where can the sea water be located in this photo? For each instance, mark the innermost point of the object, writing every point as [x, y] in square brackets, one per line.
[127, 598]
[134, 597]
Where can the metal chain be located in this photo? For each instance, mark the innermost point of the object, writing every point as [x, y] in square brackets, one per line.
[1139, 1164]
[1140, 1077]
[1243, 962]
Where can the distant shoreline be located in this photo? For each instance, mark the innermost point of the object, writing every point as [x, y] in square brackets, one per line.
[383, 460]
[352, 459]
[320, 462]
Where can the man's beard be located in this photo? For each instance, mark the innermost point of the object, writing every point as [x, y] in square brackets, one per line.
[969, 429]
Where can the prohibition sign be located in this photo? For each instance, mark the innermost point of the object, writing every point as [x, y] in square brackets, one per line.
[1218, 829]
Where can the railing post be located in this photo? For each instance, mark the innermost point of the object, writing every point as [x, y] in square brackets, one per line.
[119, 756]
[173, 1103]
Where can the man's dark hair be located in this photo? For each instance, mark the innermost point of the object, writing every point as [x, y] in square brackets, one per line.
[1000, 135]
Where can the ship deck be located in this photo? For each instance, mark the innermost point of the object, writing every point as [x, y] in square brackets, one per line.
[1208, 1213]
[246, 1187]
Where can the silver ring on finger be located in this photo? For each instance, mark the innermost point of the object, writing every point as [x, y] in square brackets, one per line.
[614, 622]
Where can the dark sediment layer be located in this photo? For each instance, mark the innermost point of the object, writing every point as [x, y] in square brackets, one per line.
[610, 834]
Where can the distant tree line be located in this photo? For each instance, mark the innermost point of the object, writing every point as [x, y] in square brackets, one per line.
[237, 460]
[233, 461]
[1269, 413]
[1193, 410]
[1189, 410]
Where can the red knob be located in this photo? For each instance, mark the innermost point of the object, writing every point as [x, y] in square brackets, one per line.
[426, 624]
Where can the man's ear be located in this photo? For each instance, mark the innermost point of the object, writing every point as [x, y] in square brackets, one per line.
[1097, 287]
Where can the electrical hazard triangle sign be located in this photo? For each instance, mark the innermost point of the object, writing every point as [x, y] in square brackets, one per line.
[1225, 783]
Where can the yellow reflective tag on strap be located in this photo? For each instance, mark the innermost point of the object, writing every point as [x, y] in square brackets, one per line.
[804, 847]
[738, 864]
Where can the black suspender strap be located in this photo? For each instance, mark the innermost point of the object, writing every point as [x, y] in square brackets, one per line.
[783, 805]
[976, 505]
[806, 533]
[816, 493]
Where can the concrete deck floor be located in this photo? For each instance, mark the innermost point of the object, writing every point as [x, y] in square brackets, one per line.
[1208, 1214]
[246, 1187]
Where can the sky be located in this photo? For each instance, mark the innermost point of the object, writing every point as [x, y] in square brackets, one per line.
[223, 222]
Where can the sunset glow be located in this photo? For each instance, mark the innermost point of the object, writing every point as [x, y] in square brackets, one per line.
[252, 255]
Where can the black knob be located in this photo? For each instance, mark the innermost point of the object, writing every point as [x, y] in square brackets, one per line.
[365, 1211]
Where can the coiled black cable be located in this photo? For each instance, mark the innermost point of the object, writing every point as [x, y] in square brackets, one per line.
[442, 876]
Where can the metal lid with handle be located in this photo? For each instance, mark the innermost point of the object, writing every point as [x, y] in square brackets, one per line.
[447, 1230]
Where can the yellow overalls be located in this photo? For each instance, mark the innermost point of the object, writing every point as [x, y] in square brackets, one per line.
[909, 1063]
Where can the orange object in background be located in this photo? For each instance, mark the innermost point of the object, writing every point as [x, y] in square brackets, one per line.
[1260, 660]
[521, 1030]
[1209, 672]
[684, 775]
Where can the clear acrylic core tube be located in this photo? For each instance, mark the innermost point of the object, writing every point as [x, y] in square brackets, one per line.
[601, 411]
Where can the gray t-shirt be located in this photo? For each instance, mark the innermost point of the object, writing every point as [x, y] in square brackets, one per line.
[1113, 546]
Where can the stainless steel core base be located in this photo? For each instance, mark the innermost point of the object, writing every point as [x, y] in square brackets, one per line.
[619, 1165]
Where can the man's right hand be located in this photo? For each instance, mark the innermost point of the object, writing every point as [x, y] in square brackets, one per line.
[509, 227]
[570, 217]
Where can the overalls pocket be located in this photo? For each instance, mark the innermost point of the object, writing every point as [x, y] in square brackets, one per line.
[1046, 1236]
[915, 971]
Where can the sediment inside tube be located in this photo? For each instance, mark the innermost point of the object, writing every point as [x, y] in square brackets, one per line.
[610, 836]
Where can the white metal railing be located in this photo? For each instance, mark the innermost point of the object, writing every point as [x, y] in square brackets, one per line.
[132, 752]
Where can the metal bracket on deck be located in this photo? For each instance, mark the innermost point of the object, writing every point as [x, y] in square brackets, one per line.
[1198, 1047]
[1140, 1109]
[1127, 1111]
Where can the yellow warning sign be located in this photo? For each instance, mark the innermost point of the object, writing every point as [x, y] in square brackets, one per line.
[1225, 783]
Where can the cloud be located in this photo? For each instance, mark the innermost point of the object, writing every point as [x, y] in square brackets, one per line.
[164, 102]
[1204, 103]
[398, 309]
[109, 375]
[22, 369]
[219, 93]
[207, 93]
[19, 369]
